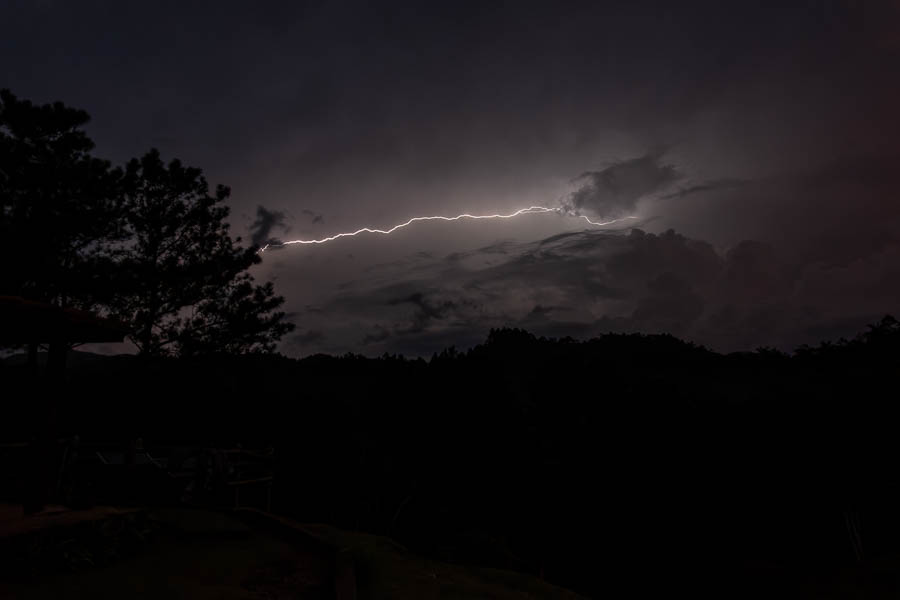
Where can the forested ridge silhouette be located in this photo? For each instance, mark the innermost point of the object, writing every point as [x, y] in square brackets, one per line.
[550, 456]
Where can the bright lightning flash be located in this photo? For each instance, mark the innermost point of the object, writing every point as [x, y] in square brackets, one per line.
[522, 211]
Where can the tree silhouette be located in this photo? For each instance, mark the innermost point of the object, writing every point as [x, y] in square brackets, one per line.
[183, 283]
[60, 213]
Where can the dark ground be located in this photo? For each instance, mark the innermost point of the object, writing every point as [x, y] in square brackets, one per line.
[203, 554]
[635, 461]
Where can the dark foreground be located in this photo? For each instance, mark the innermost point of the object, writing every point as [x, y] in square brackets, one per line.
[203, 554]
[627, 462]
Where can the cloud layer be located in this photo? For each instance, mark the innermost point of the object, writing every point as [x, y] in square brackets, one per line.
[586, 283]
[614, 191]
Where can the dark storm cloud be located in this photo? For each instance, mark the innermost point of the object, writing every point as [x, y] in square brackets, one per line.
[708, 186]
[615, 190]
[502, 247]
[315, 218]
[266, 222]
[428, 309]
[540, 312]
[670, 304]
[378, 334]
[564, 278]
[592, 282]
[305, 338]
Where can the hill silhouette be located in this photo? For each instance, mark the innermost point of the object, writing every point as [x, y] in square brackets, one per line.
[554, 457]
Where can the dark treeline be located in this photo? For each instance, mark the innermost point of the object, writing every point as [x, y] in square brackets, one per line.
[623, 455]
[147, 244]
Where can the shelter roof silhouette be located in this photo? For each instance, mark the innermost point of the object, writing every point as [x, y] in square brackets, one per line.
[27, 321]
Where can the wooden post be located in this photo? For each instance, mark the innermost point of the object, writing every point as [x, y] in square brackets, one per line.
[42, 470]
[851, 519]
[344, 576]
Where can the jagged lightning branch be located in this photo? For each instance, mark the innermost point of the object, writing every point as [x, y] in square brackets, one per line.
[522, 211]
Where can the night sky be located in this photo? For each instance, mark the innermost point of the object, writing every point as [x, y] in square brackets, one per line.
[756, 143]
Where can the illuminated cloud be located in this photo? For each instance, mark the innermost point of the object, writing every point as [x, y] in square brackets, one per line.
[614, 191]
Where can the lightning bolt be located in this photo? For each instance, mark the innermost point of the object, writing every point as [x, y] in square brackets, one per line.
[531, 210]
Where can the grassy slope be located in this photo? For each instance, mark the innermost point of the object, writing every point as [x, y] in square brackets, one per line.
[384, 570]
[208, 555]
